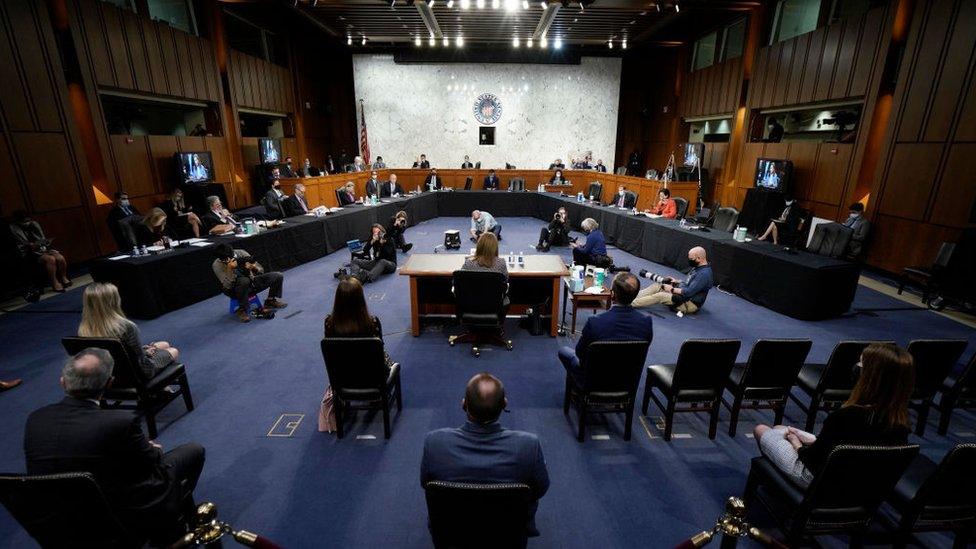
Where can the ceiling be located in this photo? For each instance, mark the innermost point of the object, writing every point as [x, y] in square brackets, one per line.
[400, 23]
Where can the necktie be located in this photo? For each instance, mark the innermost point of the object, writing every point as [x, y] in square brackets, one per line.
[125, 210]
[620, 202]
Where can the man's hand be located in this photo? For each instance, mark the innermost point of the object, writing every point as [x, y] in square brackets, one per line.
[668, 288]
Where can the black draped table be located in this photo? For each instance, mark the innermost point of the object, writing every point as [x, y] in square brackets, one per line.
[800, 285]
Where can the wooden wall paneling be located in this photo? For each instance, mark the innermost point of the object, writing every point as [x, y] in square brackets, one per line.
[687, 86]
[910, 178]
[828, 62]
[162, 149]
[112, 25]
[966, 129]
[830, 179]
[289, 147]
[11, 195]
[845, 57]
[808, 84]
[47, 169]
[133, 163]
[786, 60]
[250, 97]
[699, 106]
[137, 51]
[758, 79]
[13, 89]
[171, 60]
[221, 158]
[800, 46]
[897, 242]
[186, 64]
[751, 152]
[259, 79]
[70, 230]
[803, 154]
[154, 58]
[196, 68]
[713, 90]
[33, 52]
[956, 195]
[725, 88]
[214, 71]
[249, 152]
[957, 64]
[867, 48]
[89, 17]
[770, 70]
[923, 73]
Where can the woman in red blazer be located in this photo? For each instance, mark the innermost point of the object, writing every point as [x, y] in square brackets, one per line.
[665, 206]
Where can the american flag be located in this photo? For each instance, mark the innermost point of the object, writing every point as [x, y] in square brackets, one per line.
[363, 139]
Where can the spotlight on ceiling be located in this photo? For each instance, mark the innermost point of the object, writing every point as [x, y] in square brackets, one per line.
[465, 4]
[525, 4]
[543, 43]
[543, 5]
[480, 4]
[558, 44]
[624, 44]
[581, 7]
[431, 4]
[416, 41]
[657, 6]
[450, 4]
[364, 40]
[393, 4]
[515, 42]
[459, 41]
[495, 4]
[610, 44]
[349, 40]
[432, 42]
[529, 43]
[446, 42]
[511, 5]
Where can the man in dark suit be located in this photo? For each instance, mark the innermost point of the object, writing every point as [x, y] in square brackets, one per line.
[621, 323]
[296, 204]
[600, 167]
[308, 170]
[482, 451]
[623, 199]
[146, 488]
[433, 181]
[373, 185]
[391, 188]
[423, 164]
[121, 210]
[273, 199]
[217, 220]
[466, 165]
[557, 165]
[287, 170]
[491, 181]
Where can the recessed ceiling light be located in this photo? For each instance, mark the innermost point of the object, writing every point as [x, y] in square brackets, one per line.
[459, 41]
[416, 41]
[624, 44]
[465, 4]
[349, 40]
[543, 43]
[543, 5]
[432, 41]
[529, 43]
[364, 40]
[480, 4]
[431, 4]
[558, 44]
[610, 44]
[450, 4]
[525, 4]
[515, 42]
[446, 42]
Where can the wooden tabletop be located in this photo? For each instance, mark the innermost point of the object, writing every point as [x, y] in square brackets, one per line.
[446, 264]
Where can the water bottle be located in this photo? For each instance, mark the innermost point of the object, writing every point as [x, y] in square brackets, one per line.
[135, 251]
[511, 257]
[521, 260]
[682, 223]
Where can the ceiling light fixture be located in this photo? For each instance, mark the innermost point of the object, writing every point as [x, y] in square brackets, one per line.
[450, 4]
[543, 43]
[515, 42]
[480, 4]
[610, 44]
[431, 4]
[677, 8]
[393, 4]
[432, 42]
[349, 40]
[525, 4]
[364, 40]
[543, 5]
[495, 4]
[657, 6]
[624, 44]
[581, 7]
[465, 4]
[459, 41]
[511, 5]
[529, 43]
[558, 44]
[446, 42]
[416, 41]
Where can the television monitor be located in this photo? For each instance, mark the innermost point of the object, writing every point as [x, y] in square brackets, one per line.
[693, 153]
[195, 168]
[774, 175]
[269, 151]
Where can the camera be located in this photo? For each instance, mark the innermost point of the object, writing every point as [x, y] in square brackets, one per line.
[660, 279]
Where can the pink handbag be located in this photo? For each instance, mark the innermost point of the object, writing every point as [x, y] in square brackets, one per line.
[327, 418]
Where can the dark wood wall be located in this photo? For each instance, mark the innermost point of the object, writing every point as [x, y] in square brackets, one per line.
[258, 84]
[647, 116]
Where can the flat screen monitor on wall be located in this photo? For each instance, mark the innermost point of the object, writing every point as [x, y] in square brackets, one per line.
[774, 175]
[269, 151]
[195, 167]
[693, 153]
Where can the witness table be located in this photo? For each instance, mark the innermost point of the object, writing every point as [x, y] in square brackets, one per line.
[530, 285]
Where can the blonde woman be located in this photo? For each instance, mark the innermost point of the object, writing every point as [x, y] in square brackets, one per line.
[485, 256]
[154, 229]
[102, 316]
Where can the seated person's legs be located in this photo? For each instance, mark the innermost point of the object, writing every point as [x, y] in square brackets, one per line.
[774, 445]
[543, 238]
[567, 356]
[274, 281]
[581, 258]
[652, 295]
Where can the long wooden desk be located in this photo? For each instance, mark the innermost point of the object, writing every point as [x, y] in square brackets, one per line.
[430, 281]
[320, 191]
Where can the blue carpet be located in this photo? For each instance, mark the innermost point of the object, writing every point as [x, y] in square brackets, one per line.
[309, 490]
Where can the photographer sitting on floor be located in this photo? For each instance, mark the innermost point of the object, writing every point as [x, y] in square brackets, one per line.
[556, 234]
[685, 297]
[241, 276]
[378, 257]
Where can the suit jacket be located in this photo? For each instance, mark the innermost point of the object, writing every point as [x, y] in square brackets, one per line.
[629, 199]
[287, 171]
[667, 210]
[372, 187]
[386, 250]
[439, 182]
[486, 454]
[491, 182]
[345, 198]
[272, 204]
[211, 220]
[425, 165]
[466, 165]
[385, 189]
[620, 323]
[600, 168]
[75, 435]
[295, 205]
[555, 166]
[861, 227]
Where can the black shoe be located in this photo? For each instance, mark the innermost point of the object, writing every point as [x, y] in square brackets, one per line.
[642, 273]
[407, 247]
[473, 239]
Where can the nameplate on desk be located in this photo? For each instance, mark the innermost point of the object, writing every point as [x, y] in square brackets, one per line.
[118, 257]
[202, 244]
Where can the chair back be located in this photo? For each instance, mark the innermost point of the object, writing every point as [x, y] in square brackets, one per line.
[338, 195]
[950, 491]
[595, 190]
[630, 199]
[704, 365]
[774, 364]
[966, 382]
[516, 184]
[479, 297]
[126, 373]
[934, 360]
[853, 482]
[945, 255]
[621, 170]
[830, 239]
[459, 511]
[682, 206]
[725, 219]
[477, 165]
[64, 510]
[354, 363]
[840, 372]
[614, 367]
[467, 183]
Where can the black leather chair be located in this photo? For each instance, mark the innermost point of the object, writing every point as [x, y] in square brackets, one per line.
[595, 190]
[65, 510]
[830, 239]
[934, 359]
[698, 378]
[933, 497]
[360, 378]
[468, 515]
[957, 392]
[467, 183]
[843, 497]
[516, 184]
[764, 382]
[829, 385]
[630, 199]
[682, 206]
[612, 373]
[477, 165]
[928, 276]
[725, 219]
[130, 388]
[480, 307]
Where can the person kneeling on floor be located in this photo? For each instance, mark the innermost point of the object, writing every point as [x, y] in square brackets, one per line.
[241, 276]
[685, 297]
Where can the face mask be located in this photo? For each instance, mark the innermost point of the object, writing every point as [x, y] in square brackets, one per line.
[855, 215]
[692, 262]
[789, 202]
[124, 202]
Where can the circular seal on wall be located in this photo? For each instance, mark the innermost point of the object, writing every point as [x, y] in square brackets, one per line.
[487, 108]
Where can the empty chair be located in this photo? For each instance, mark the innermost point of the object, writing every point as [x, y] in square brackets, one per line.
[468, 181]
[65, 510]
[621, 170]
[130, 388]
[937, 497]
[477, 165]
[682, 206]
[934, 359]
[957, 392]
[698, 377]
[516, 184]
[764, 381]
[458, 513]
[612, 372]
[725, 219]
[841, 499]
[829, 385]
[479, 301]
[595, 191]
[360, 378]
[830, 239]
[928, 276]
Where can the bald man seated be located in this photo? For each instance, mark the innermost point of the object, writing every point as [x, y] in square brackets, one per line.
[482, 451]
[685, 297]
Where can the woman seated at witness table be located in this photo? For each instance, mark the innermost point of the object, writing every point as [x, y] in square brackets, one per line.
[350, 318]
[153, 231]
[557, 178]
[485, 256]
[102, 316]
[665, 206]
[347, 195]
[180, 217]
[594, 250]
[875, 414]
[36, 248]
[786, 225]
